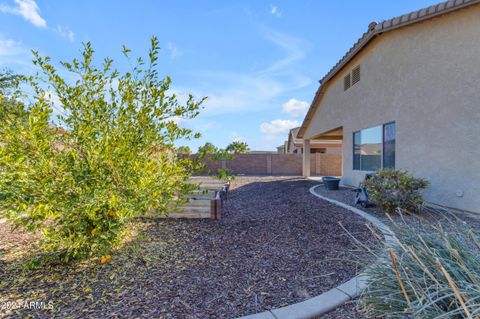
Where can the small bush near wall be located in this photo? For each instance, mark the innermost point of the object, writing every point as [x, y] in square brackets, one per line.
[431, 271]
[392, 189]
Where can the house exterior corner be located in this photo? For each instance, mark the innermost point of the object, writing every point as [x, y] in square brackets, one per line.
[410, 99]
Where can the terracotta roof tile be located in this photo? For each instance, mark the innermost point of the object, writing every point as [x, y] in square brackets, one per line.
[397, 22]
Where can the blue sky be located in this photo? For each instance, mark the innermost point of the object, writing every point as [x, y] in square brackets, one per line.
[258, 62]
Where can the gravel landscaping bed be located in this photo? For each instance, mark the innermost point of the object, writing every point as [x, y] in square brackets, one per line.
[346, 195]
[276, 245]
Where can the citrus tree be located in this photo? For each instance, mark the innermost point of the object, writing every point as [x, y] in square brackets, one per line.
[95, 152]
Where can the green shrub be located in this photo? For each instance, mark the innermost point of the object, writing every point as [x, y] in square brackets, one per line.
[430, 271]
[224, 174]
[392, 189]
[109, 156]
[208, 156]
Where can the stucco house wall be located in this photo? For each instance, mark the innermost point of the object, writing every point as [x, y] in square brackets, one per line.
[426, 78]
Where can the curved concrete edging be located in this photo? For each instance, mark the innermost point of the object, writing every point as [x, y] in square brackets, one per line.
[335, 297]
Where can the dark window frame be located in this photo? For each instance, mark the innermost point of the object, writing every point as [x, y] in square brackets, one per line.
[385, 144]
[357, 163]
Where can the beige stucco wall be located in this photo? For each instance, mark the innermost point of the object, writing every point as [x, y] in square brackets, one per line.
[426, 78]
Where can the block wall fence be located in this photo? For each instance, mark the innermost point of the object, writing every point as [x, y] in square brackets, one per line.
[281, 164]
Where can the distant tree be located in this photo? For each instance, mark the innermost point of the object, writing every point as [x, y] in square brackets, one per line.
[209, 154]
[184, 150]
[12, 110]
[237, 147]
[8, 80]
[207, 148]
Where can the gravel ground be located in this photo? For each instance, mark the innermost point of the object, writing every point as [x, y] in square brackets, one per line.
[346, 195]
[276, 245]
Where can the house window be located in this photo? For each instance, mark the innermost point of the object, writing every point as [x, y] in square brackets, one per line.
[374, 148]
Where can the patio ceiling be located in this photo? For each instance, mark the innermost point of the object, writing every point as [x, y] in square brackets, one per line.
[335, 134]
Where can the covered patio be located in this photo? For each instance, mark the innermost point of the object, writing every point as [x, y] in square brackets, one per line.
[332, 135]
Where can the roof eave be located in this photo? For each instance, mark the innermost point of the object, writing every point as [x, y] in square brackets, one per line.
[376, 30]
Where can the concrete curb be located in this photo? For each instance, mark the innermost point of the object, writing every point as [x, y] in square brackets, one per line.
[334, 298]
[375, 221]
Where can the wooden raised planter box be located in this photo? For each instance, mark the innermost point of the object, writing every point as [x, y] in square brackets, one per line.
[200, 207]
[207, 202]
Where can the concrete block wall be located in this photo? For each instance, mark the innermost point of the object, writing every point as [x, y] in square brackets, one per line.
[286, 164]
[325, 164]
[281, 164]
[249, 164]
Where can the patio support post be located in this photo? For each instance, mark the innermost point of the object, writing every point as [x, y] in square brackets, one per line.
[306, 158]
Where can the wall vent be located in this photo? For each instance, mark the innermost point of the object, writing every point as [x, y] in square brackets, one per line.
[351, 78]
[356, 75]
[346, 82]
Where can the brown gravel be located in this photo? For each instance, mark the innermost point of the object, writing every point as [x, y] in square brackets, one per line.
[346, 195]
[276, 245]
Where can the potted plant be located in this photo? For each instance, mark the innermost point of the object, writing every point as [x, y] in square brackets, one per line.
[331, 183]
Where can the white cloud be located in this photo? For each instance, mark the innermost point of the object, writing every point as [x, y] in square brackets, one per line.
[275, 11]
[10, 47]
[28, 9]
[177, 120]
[14, 52]
[234, 92]
[242, 92]
[174, 51]
[239, 92]
[295, 107]
[65, 32]
[276, 127]
[294, 47]
[275, 131]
